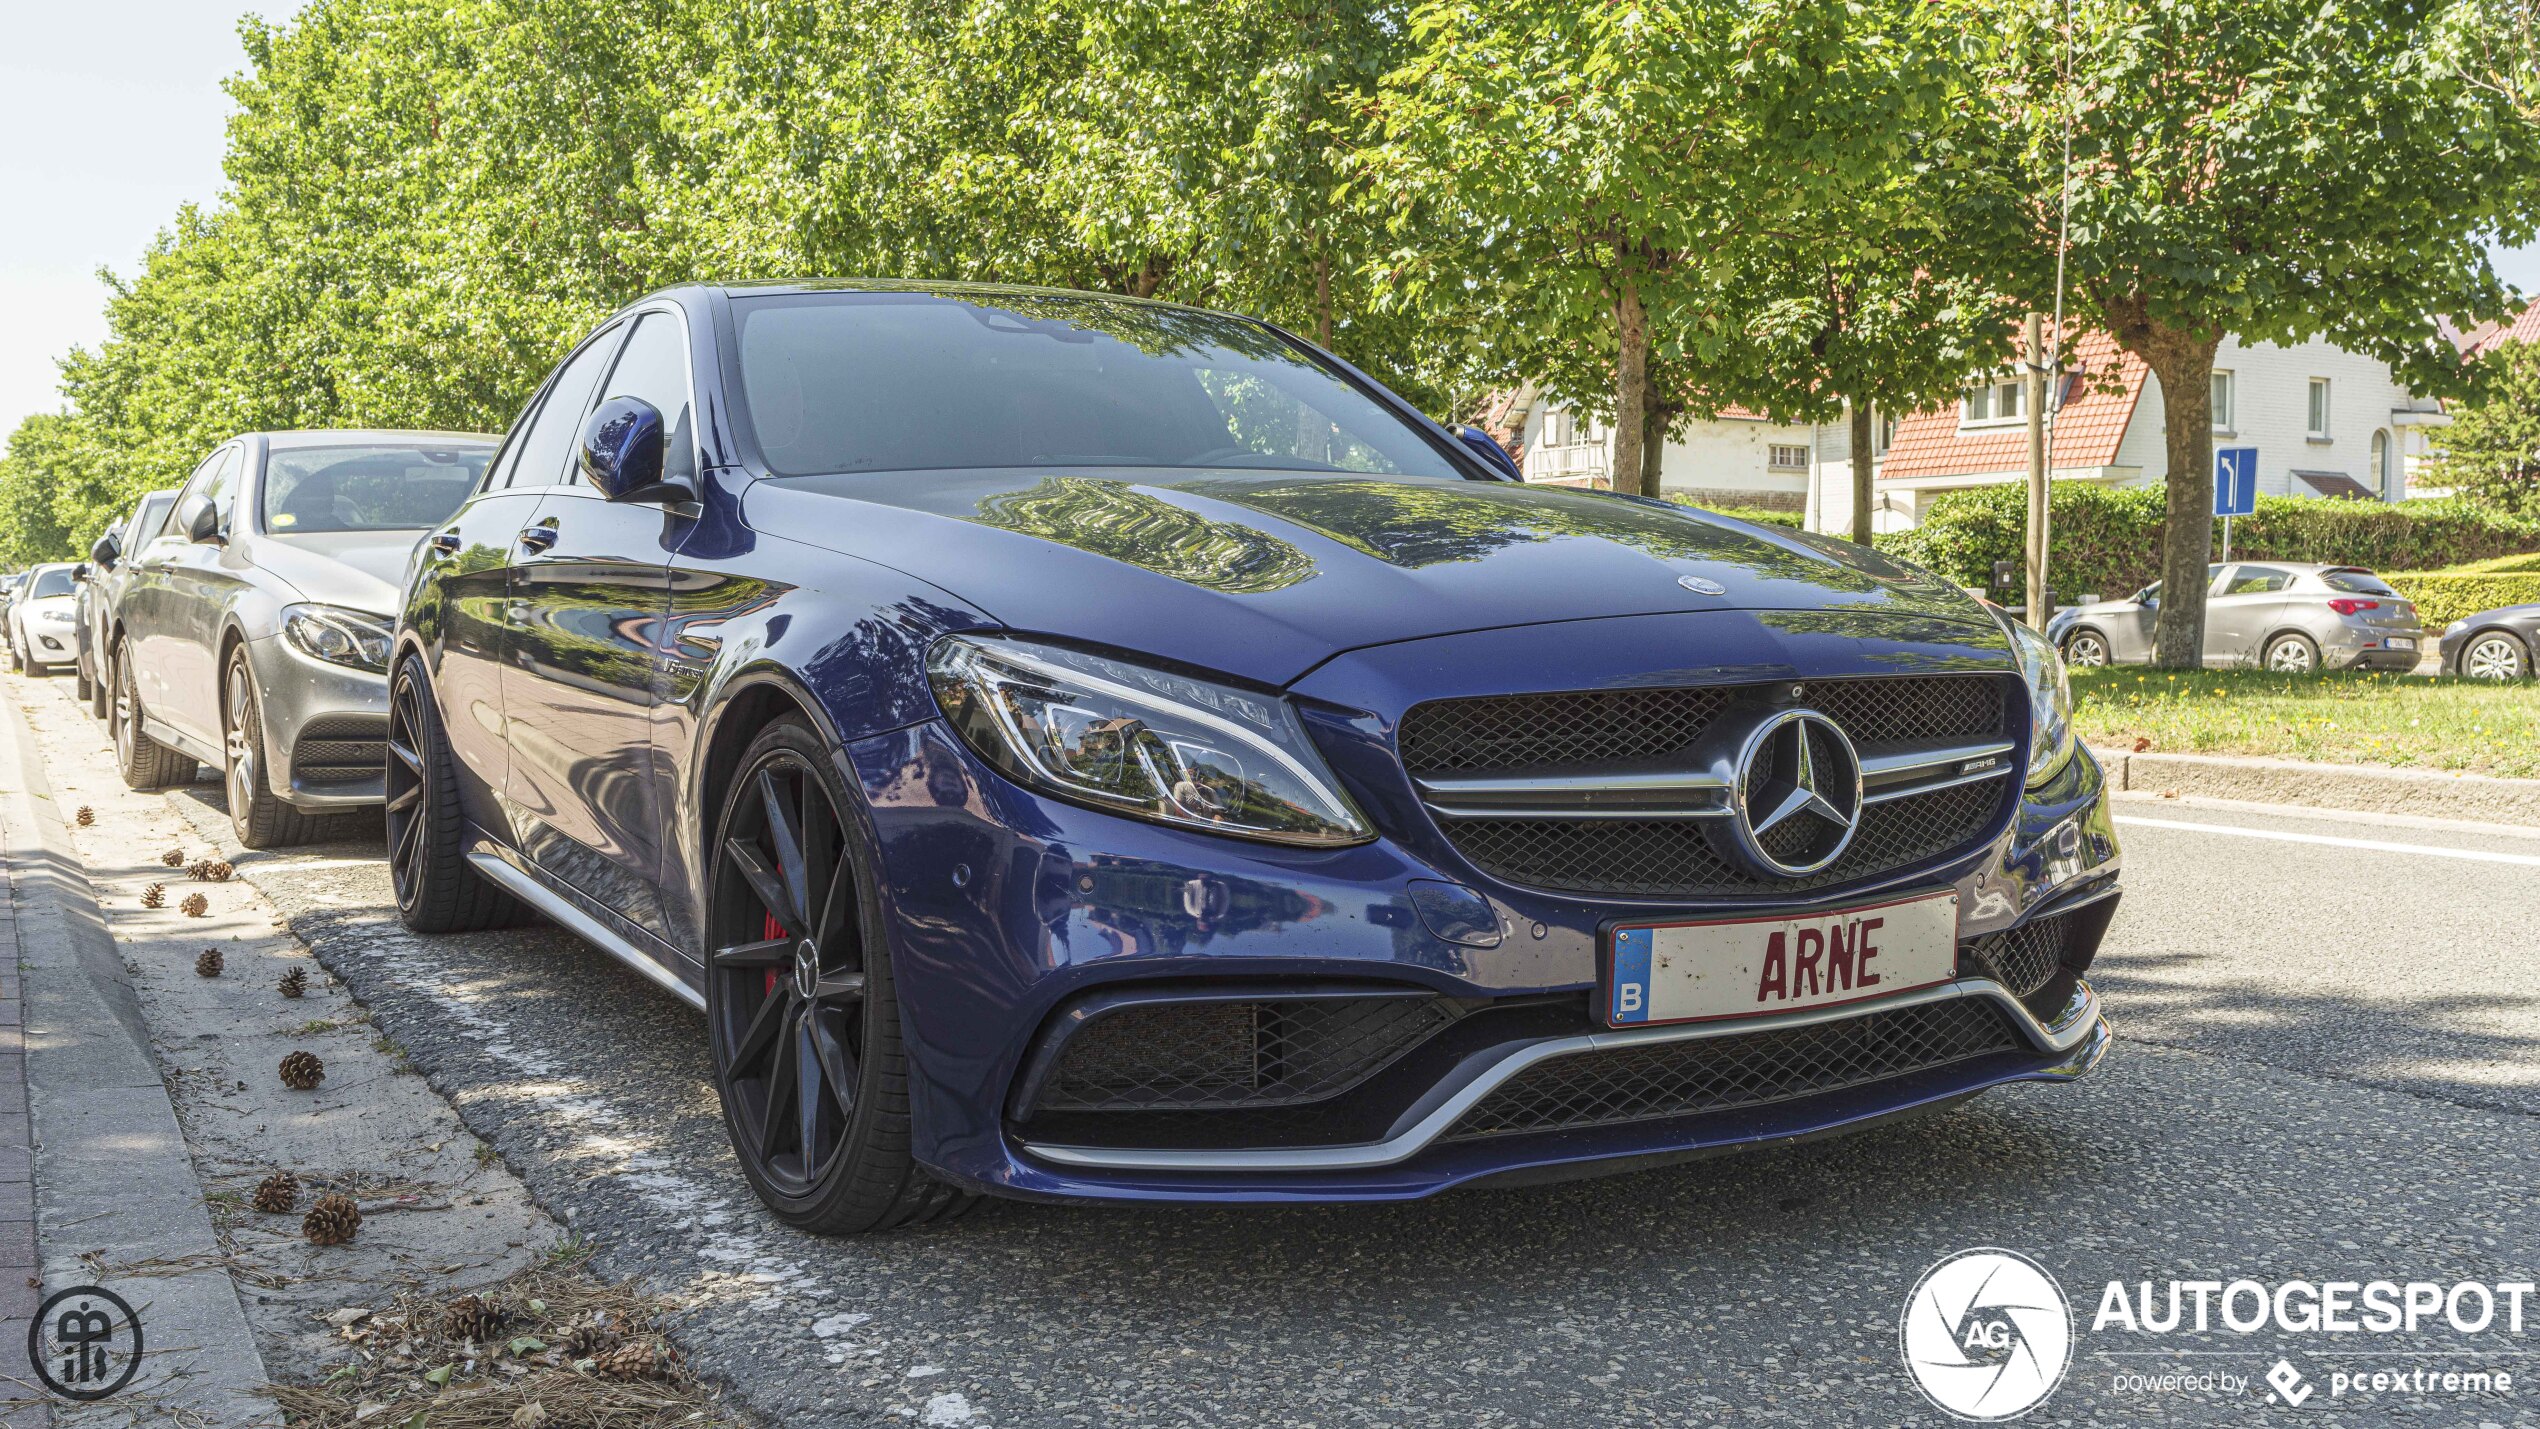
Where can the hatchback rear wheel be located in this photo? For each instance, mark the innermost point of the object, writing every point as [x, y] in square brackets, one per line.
[800, 1004]
[2292, 654]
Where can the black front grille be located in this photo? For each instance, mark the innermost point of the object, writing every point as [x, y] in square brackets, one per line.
[1672, 857]
[1517, 735]
[1268, 1052]
[1668, 1079]
[333, 748]
[2041, 961]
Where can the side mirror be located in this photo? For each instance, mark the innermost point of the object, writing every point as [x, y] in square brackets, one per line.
[1490, 451]
[623, 446]
[79, 572]
[202, 523]
[105, 552]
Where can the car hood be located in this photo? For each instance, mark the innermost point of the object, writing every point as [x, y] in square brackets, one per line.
[1264, 575]
[62, 603]
[359, 570]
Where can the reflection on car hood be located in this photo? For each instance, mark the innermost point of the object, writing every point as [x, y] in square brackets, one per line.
[359, 570]
[1266, 574]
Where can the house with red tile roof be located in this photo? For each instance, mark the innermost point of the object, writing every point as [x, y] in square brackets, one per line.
[2325, 422]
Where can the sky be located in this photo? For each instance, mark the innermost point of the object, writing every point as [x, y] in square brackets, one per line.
[113, 112]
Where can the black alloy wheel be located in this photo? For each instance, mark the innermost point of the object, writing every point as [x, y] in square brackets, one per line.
[437, 892]
[799, 1002]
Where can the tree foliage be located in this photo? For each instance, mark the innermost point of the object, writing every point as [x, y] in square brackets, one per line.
[2491, 451]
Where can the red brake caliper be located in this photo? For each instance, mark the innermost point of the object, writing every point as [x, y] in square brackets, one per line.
[772, 932]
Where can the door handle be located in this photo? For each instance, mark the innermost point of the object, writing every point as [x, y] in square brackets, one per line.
[538, 538]
[446, 543]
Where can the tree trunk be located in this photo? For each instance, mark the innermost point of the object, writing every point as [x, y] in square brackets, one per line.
[2184, 361]
[1862, 462]
[1631, 386]
[1655, 417]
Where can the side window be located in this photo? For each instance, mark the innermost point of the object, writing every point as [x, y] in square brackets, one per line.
[499, 474]
[212, 482]
[553, 431]
[2258, 580]
[654, 368]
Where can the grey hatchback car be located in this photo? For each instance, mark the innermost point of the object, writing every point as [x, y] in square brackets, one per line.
[253, 634]
[2274, 615]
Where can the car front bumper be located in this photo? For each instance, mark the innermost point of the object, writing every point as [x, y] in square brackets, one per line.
[1008, 912]
[326, 727]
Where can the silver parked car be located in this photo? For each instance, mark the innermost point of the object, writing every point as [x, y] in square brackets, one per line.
[107, 576]
[2276, 615]
[253, 633]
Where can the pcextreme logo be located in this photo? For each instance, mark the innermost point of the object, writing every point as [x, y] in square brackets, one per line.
[1987, 1334]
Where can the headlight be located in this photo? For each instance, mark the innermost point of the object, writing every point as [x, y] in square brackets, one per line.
[1142, 742]
[2050, 702]
[337, 636]
[2456, 627]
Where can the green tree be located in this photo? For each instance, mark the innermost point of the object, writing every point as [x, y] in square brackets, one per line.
[2278, 170]
[2491, 451]
[1580, 186]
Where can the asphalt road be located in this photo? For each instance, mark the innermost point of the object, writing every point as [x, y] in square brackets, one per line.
[2326, 1069]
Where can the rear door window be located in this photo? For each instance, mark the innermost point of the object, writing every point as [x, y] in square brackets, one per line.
[2356, 583]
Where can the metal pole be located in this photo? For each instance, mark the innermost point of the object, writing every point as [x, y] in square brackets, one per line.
[2039, 605]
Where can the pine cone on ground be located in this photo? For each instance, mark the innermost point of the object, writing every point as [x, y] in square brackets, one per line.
[302, 1071]
[195, 905]
[173, 858]
[154, 896]
[276, 1193]
[472, 1317]
[207, 963]
[332, 1221]
[210, 870]
[635, 1359]
[584, 1342]
[85, 816]
[295, 982]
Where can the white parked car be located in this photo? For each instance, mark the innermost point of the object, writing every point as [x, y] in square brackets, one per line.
[40, 623]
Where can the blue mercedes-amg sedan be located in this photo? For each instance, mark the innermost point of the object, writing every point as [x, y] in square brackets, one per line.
[1089, 749]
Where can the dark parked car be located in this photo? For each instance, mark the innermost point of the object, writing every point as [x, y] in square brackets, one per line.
[253, 635]
[2493, 644]
[1080, 748]
[107, 576]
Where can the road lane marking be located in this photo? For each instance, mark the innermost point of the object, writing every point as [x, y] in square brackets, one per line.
[2475, 855]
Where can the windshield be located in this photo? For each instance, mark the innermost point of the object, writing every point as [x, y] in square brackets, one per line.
[56, 581]
[2356, 582]
[311, 490]
[848, 382]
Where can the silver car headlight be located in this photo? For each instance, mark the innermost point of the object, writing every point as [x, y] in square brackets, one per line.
[2050, 702]
[1142, 742]
[2456, 627]
[338, 636]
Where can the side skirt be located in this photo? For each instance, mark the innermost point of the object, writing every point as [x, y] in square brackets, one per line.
[582, 925]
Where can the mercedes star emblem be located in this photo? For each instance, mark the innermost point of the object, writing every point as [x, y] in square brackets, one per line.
[1798, 797]
[1702, 585]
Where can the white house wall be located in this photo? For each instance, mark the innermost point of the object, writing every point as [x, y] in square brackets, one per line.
[2272, 413]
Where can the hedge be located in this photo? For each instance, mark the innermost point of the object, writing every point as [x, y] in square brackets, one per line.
[2443, 597]
[2107, 542]
[1754, 515]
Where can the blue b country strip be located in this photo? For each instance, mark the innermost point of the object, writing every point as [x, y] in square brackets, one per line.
[1630, 989]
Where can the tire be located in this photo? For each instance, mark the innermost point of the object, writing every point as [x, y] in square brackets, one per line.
[144, 762]
[2292, 653]
[437, 892]
[2497, 655]
[798, 972]
[101, 689]
[259, 819]
[86, 688]
[2086, 649]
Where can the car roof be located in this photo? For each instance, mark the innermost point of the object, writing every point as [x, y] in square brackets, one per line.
[935, 287]
[329, 437]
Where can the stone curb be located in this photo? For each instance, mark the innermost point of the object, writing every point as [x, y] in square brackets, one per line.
[2363, 788]
[112, 1171]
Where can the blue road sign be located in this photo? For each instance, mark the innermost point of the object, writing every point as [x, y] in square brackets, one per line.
[2235, 480]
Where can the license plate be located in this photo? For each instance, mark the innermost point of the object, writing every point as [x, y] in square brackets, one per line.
[2401, 642]
[1752, 967]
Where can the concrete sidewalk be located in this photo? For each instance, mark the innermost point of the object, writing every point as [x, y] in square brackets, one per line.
[111, 1177]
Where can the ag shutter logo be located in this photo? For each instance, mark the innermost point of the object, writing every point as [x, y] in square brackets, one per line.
[1987, 1334]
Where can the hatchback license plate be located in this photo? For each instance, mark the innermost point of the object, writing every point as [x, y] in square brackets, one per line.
[2401, 642]
[1752, 967]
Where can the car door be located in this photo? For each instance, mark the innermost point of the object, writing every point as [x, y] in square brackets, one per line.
[589, 594]
[181, 585]
[2241, 609]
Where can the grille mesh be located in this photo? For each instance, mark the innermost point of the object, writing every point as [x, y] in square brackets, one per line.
[1517, 732]
[1266, 1053]
[2026, 957]
[1659, 857]
[1718, 1073]
[338, 758]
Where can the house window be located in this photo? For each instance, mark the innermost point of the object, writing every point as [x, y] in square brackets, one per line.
[2318, 429]
[1996, 399]
[1563, 427]
[2222, 402]
[2382, 474]
[1789, 458]
[1882, 433]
